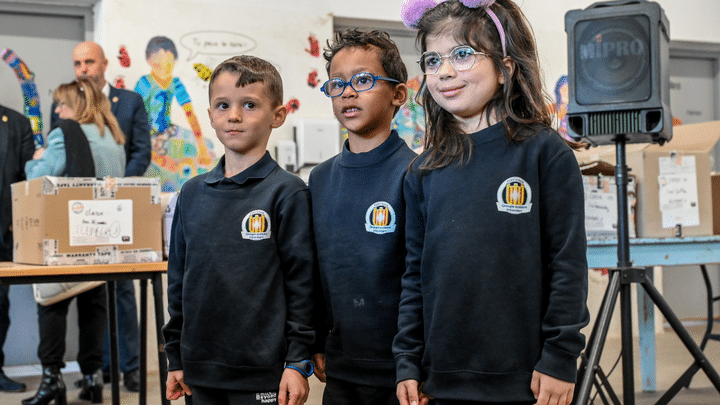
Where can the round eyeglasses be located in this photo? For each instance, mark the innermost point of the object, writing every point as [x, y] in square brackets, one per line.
[461, 58]
[360, 82]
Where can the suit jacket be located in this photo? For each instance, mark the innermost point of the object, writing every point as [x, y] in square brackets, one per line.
[16, 148]
[129, 109]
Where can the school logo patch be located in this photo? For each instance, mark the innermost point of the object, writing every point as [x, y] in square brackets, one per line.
[380, 218]
[256, 225]
[514, 196]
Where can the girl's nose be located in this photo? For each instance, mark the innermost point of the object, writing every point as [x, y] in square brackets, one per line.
[446, 68]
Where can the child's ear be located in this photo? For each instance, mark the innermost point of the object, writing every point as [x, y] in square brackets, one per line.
[212, 124]
[280, 114]
[401, 95]
[510, 66]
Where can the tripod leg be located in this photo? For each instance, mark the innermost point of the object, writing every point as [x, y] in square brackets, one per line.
[683, 381]
[646, 336]
[598, 336]
[683, 334]
[605, 384]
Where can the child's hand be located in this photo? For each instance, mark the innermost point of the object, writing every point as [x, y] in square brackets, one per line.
[319, 364]
[294, 388]
[408, 393]
[550, 390]
[175, 386]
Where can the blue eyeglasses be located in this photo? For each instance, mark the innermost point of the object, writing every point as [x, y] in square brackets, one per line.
[360, 82]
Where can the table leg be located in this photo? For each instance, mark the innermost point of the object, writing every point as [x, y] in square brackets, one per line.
[646, 336]
[143, 342]
[113, 327]
[159, 322]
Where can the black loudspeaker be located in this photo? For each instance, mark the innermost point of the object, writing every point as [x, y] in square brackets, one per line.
[619, 76]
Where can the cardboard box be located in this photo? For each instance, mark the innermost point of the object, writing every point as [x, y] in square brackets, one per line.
[673, 180]
[601, 201]
[168, 203]
[63, 221]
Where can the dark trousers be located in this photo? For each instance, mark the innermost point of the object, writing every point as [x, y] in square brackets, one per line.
[4, 319]
[128, 332]
[212, 396]
[339, 392]
[92, 320]
[442, 402]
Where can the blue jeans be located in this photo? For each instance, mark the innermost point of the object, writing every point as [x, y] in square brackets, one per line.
[128, 331]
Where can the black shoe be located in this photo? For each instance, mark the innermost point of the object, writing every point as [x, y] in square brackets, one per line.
[9, 385]
[131, 379]
[92, 385]
[51, 387]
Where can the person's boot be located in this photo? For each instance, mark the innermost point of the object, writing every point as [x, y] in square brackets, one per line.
[8, 385]
[91, 387]
[51, 387]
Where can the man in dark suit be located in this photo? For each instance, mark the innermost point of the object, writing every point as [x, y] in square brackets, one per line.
[16, 148]
[128, 107]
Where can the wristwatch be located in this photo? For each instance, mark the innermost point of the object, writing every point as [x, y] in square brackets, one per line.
[304, 367]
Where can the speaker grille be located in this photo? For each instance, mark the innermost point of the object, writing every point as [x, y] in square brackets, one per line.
[615, 122]
[613, 57]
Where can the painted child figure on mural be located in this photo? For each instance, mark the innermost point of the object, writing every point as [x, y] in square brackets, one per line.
[176, 157]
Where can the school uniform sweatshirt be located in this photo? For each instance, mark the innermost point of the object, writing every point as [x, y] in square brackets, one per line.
[359, 222]
[240, 278]
[496, 279]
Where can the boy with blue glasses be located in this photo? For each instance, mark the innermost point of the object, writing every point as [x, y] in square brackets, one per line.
[359, 221]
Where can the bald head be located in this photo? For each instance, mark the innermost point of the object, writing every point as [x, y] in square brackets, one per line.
[89, 61]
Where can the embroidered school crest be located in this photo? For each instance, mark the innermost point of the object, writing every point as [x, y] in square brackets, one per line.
[256, 226]
[380, 218]
[514, 196]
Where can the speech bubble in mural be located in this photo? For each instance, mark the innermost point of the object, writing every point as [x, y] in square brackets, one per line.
[216, 43]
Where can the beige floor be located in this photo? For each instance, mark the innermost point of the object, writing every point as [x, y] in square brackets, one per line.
[672, 360]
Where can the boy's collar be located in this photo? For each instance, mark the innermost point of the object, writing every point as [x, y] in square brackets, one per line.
[259, 170]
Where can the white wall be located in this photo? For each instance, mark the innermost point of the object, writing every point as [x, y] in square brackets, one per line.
[284, 26]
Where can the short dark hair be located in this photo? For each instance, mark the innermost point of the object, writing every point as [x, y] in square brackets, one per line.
[251, 69]
[387, 51]
[157, 43]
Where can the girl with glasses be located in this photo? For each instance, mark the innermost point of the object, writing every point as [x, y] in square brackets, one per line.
[496, 281]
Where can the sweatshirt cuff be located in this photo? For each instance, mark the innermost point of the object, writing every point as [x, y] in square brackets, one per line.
[407, 368]
[558, 364]
[174, 360]
[297, 352]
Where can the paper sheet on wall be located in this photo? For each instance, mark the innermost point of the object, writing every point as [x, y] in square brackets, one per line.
[678, 191]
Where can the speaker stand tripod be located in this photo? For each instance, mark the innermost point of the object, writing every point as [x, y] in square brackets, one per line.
[621, 279]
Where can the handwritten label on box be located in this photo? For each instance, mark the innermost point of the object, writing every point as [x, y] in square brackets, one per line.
[678, 191]
[100, 222]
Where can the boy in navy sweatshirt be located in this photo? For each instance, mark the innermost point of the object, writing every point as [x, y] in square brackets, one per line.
[242, 258]
[358, 217]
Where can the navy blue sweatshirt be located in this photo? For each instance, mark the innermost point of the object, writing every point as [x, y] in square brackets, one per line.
[240, 278]
[359, 221]
[496, 283]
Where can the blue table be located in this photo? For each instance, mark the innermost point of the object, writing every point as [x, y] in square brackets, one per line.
[647, 252]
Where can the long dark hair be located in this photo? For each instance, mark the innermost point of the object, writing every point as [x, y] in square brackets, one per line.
[520, 103]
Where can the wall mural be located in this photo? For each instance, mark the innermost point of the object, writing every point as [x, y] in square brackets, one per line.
[178, 153]
[31, 99]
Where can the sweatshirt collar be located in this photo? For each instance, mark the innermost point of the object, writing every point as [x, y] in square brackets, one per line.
[260, 170]
[382, 152]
